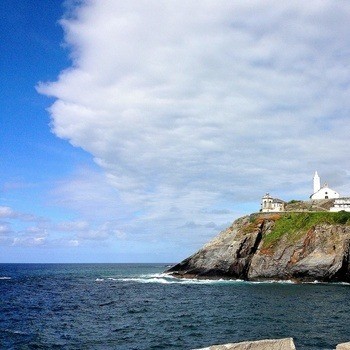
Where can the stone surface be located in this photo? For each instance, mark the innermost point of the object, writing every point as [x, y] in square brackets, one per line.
[343, 346]
[321, 253]
[269, 344]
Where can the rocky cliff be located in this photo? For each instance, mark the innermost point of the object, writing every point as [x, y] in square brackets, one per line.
[300, 246]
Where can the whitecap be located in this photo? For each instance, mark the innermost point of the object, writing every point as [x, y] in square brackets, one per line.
[145, 280]
[99, 279]
[164, 278]
[272, 282]
[336, 283]
[343, 283]
[15, 332]
[167, 278]
[158, 275]
[5, 278]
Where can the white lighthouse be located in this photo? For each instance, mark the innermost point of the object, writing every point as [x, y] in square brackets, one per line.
[317, 182]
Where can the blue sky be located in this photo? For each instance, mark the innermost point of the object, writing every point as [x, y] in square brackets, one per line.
[135, 131]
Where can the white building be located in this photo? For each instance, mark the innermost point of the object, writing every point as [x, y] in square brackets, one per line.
[270, 204]
[323, 192]
[341, 204]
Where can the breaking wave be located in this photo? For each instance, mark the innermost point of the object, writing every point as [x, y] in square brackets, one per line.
[15, 332]
[163, 278]
[5, 278]
[329, 283]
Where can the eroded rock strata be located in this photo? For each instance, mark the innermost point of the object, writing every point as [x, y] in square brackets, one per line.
[303, 246]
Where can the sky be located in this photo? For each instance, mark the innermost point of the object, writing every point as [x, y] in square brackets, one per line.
[136, 131]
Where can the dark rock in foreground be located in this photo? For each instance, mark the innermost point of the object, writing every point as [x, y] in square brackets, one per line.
[304, 246]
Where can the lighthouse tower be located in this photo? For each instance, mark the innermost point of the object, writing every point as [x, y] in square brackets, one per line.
[317, 182]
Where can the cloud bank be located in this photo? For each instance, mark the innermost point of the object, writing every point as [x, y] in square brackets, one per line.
[193, 109]
[24, 230]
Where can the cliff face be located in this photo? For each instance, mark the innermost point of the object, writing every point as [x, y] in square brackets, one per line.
[297, 246]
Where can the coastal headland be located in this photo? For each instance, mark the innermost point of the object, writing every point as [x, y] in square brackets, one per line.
[304, 243]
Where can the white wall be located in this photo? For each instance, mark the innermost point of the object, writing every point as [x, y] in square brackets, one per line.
[324, 193]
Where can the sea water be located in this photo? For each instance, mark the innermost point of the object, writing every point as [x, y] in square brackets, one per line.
[133, 306]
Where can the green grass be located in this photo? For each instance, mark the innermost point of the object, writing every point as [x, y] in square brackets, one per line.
[295, 225]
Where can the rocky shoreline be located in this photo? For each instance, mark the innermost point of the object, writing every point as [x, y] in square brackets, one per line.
[297, 246]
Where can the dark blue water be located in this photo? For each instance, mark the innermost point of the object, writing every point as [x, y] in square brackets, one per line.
[116, 306]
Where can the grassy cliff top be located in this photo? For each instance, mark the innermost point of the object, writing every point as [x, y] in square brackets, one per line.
[294, 225]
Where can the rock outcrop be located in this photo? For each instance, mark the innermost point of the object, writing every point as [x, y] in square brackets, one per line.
[268, 344]
[304, 246]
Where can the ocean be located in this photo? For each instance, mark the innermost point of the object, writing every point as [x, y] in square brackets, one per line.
[136, 306]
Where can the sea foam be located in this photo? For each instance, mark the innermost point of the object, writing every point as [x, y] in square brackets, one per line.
[163, 278]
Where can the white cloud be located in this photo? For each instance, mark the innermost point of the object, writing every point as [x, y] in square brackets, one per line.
[71, 226]
[37, 232]
[5, 228]
[29, 236]
[8, 213]
[88, 192]
[73, 242]
[192, 108]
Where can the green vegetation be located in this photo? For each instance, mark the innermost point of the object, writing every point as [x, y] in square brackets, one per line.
[294, 225]
[293, 201]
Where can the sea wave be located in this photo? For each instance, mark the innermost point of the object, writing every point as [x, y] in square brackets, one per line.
[330, 283]
[12, 331]
[343, 283]
[5, 278]
[163, 278]
[273, 281]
